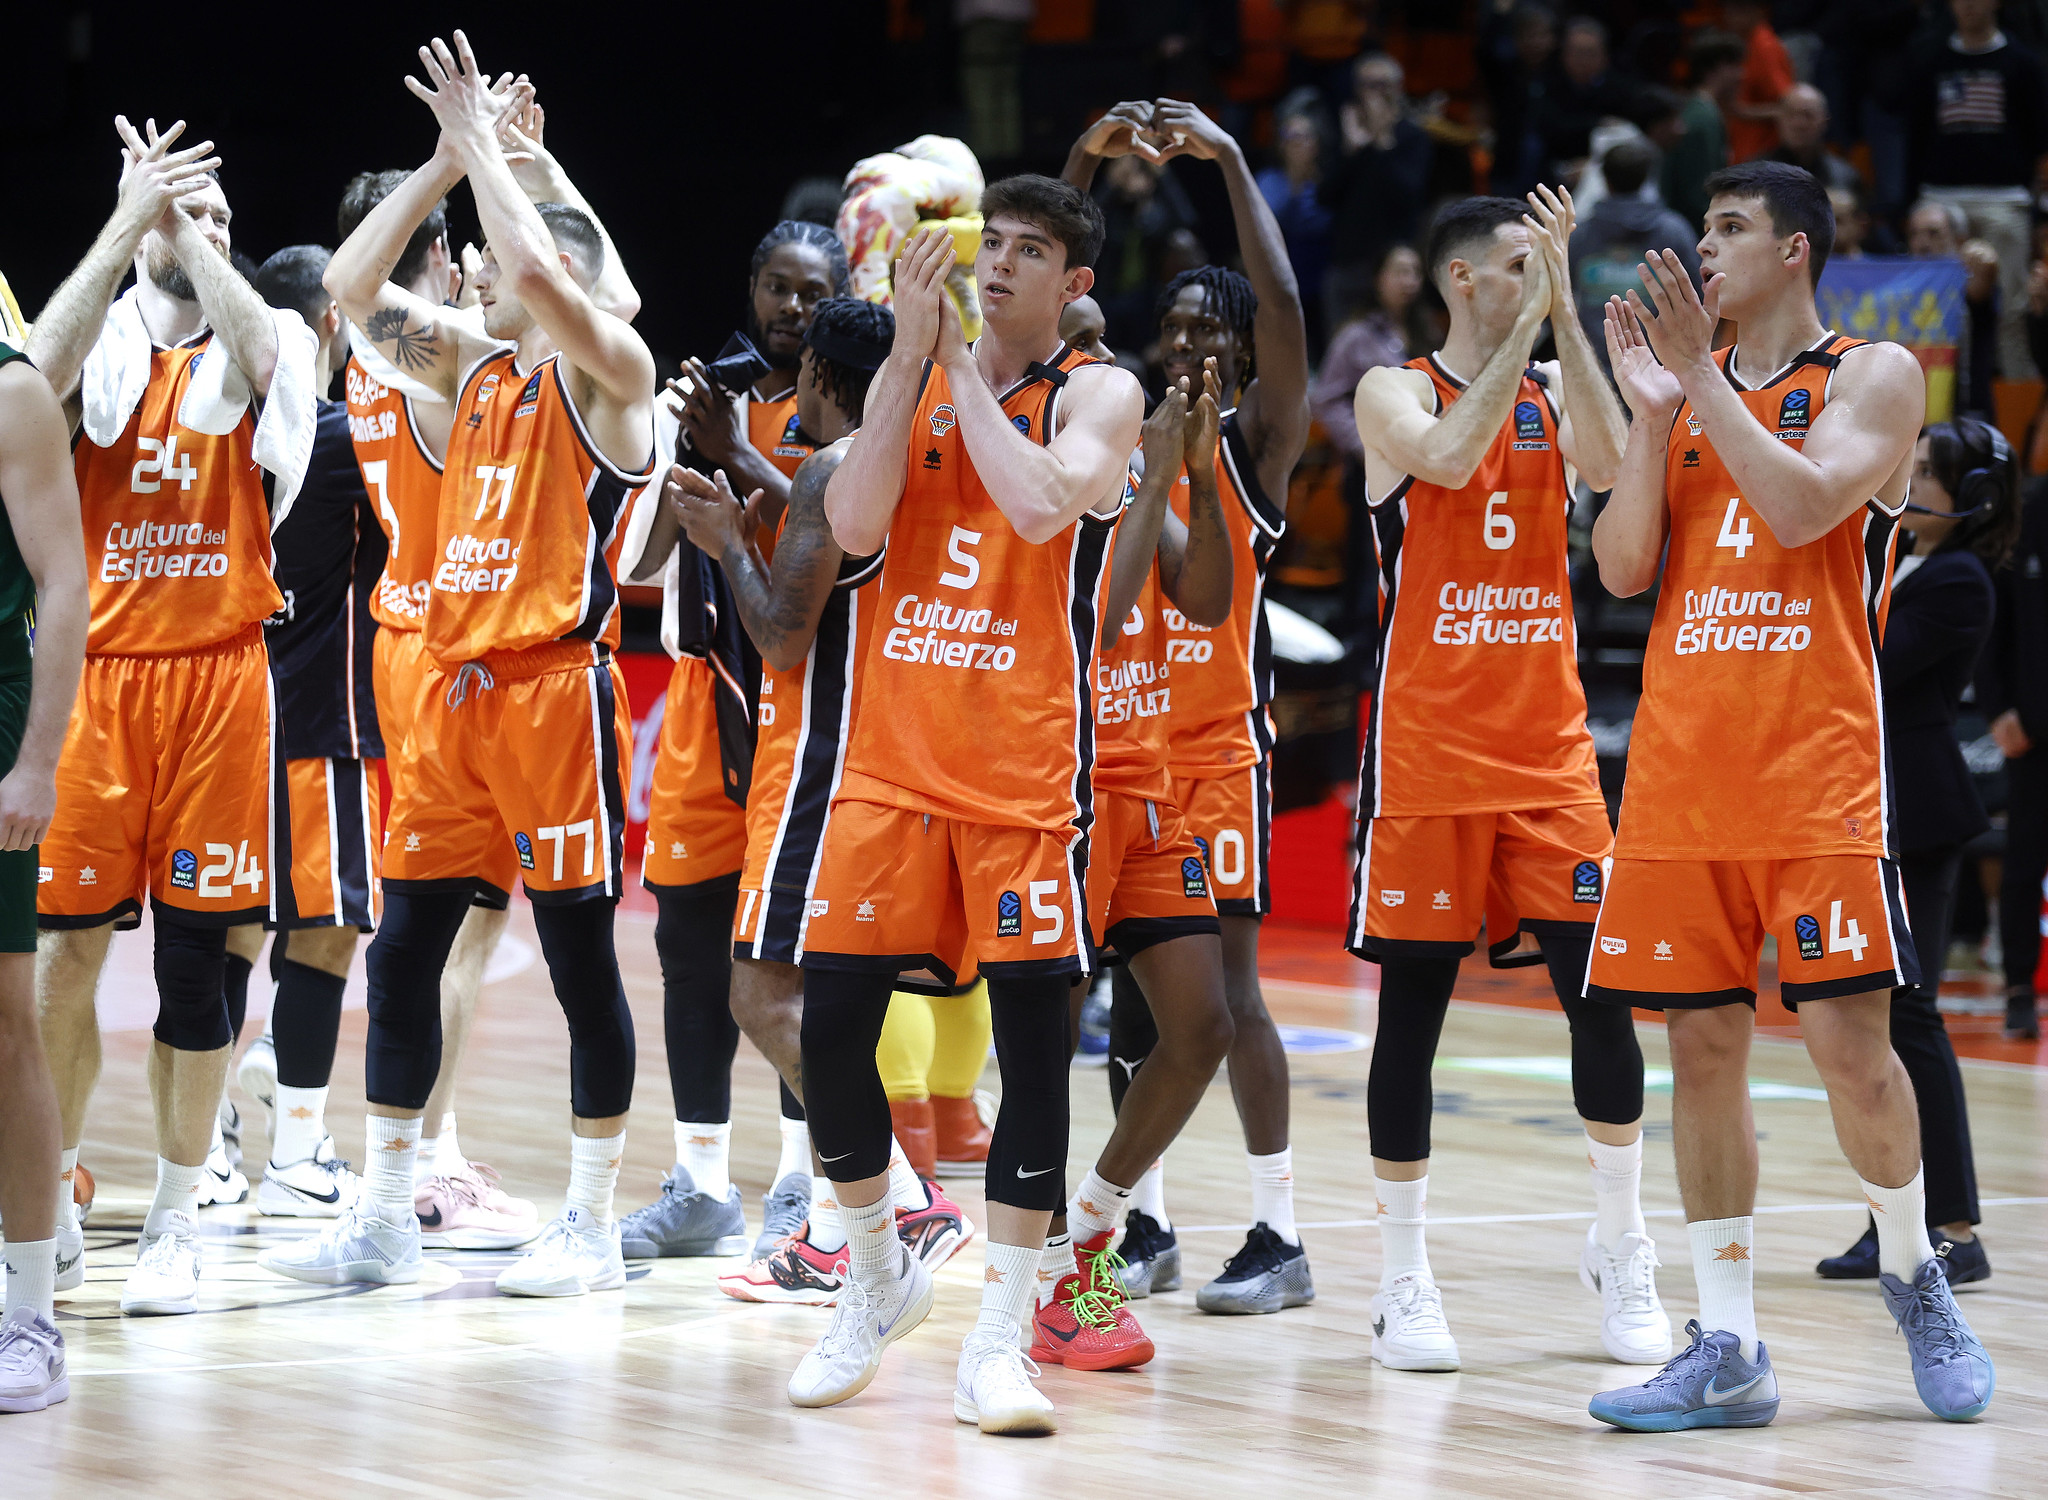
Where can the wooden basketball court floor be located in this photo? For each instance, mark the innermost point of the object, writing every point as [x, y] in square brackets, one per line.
[669, 1388]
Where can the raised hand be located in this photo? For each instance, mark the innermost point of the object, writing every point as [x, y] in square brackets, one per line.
[1205, 421]
[1183, 130]
[1124, 131]
[1651, 391]
[1164, 435]
[464, 102]
[918, 291]
[1536, 288]
[153, 177]
[1681, 330]
[710, 417]
[1550, 223]
[710, 514]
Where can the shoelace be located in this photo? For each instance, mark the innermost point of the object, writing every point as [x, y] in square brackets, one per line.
[158, 1252]
[1681, 1370]
[1635, 1289]
[1261, 1252]
[22, 1344]
[1102, 1294]
[1005, 1352]
[474, 1186]
[848, 1318]
[1936, 1321]
[1420, 1310]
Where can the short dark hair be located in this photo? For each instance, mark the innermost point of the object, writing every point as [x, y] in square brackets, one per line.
[1059, 208]
[1711, 49]
[1792, 196]
[1232, 299]
[802, 232]
[368, 189]
[1462, 223]
[290, 280]
[849, 321]
[576, 232]
[1626, 166]
[1974, 463]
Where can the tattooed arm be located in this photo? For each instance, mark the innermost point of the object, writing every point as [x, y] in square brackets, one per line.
[780, 607]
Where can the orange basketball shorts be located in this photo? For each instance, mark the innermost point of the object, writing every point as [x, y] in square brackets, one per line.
[514, 770]
[1146, 880]
[695, 832]
[398, 661]
[1681, 934]
[336, 820]
[165, 790]
[1231, 818]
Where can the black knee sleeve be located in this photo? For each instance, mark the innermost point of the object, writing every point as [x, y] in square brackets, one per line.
[304, 1023]
[1132, 1033]
[235, 985]
[192, 1009]
[1414, 995]
[848, 1110]
[1607, 1060]
[693, 937]
[576, 940]
[1027, 1154]
[402, 1053]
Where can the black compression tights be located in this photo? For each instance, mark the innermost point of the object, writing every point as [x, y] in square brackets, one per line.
[693, 937]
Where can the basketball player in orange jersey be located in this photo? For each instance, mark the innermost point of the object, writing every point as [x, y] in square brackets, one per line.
[519, 733]
[164, 787]
[696, 818]
[1469, 455]
[1222, 733]
[1769, 477]
[993, 473]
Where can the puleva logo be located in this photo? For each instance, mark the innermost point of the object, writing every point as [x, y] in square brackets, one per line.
[1586, 882]
[1797, 408]
[1393, 898]
[1807, 930]
[943, 419]
[525, 847]
[1009, 915]
[184, 869]
[1193, 885]
[1613, 945]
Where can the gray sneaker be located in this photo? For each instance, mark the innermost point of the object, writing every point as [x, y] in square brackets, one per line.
[32, 1370]
[1151, 1257]
[1709, 1384]
[783, 1212]
[1265, 1276]
[683, 1221]
[1950, 1368]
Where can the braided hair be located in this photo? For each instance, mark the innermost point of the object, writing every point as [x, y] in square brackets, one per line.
[802, 232]
[840, 320]
[1231, 298]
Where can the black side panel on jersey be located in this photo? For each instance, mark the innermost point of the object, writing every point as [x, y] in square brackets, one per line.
[828, 680]
[1244, 473]
[1389, 524]
[1877, 543]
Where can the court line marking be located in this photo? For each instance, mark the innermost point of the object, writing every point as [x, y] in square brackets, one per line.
[1648, 1213]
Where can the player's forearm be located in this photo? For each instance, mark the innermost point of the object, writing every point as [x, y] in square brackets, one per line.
[63, 614]
[1081, 165]
[1787, 490]
[1628, 537]
[1599, 427]
[750, 469]
[237, 314]
[362, 265]
[663, 532]
[1038, 494]
[1456, 443]
[613, 291]
[865, 489]
[1206, 578]
[71, 321]
[1137, 544]
[512, 227]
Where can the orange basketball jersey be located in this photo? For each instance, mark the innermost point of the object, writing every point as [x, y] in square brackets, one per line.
[975, 695]
[773, 430]
[1133, 696]
[177, 530]
[1224, 674]
[1478, 706]
[404, 481]
[531, 519]
[1760, 734]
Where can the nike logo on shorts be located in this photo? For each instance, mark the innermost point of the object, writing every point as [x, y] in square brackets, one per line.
[840, 1157]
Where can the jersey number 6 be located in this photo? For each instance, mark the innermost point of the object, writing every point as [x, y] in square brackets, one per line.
[1500, 526]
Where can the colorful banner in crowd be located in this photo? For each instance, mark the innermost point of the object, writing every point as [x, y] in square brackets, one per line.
[1918, 303]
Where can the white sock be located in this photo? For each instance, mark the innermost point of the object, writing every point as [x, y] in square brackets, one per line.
[1617, 1190]
[1009, 1288]
[1903, 1246]
[32, 1277]
[1401, 1206]
[1055, 1262]
[594, 1172]
[905, 1191]
[828, 1225]
[301, 1124]
[1148, 1195]
[176, 1204]
[67, 1168]
[873, 1251]
[1273, 1192]
[393, 1148]
[1099, 1205]
[447, 1159]
[703, 1149]
[795, 1159]
[1726, 1276]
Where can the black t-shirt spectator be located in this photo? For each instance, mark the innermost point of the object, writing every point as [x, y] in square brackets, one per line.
[1977, 117]
[1566, 113]
[1376, 196]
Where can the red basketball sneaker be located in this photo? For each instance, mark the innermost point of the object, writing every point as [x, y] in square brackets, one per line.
[1087, 1325]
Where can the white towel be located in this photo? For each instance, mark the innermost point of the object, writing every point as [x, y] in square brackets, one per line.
[116, 371]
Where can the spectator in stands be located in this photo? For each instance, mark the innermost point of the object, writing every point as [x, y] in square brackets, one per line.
[1852, 222]
[1516, 48]
[1802, 138]
[1146, 216]
[1293, 189]
[1608, 245]
[2012, 691]
[1766, 74]
[1583, 91]
[1978, 123]
[1938, 229]
[1714, 63]
[1390, 326]
[1376, 194]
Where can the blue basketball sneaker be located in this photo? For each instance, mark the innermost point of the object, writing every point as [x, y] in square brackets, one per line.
[1950, 1368]
[1709, 1384]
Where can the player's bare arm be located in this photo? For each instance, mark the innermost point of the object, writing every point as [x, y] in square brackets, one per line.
[540, 176]
[238, 316]
[151, 184]
[1125, 131]
[780, 606]
[1860, 446]
[1628, 537]
[1591, 429]
[1274, 409]
[1396, 406]
[41, 493]
[1197, 564]
[1137, 539]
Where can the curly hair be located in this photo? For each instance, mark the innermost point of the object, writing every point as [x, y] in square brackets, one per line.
[1232, 299]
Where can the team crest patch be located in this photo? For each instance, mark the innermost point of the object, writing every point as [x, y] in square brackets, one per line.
[530, 397]
[1022, 423]
[1797, 409]
[944, 419]
[1586, 882]
[1807, 930]
[1193, 883]
[525, 847]
[1855, 827]
[487, 388]
[1529, 428]
[1009, 915]
[184, 869]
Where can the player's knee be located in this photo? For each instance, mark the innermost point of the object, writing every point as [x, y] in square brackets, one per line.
[329, 949]
[1707, 1043]
[192, 1012]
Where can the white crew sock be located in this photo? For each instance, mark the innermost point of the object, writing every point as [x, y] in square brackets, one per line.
[1098, 1205]
[1009, 1287]
[1401, 1206]
[873, 1253]
[393, 1148]
[594, 1172]
[1148, 1195]
[1726, 1275]
[703, 1149]
[301, 1124]
[1273, 1192]
[32, 1277]
[1617, 1190]
[176, 1204]
[1056, 1262]
[1900, 1213]
[828, 1225]
[446, 1158]
[67, 1206]
[795, 1159]
[905, 1191]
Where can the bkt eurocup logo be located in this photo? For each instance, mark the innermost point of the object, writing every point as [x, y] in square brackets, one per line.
[1009, 915]
[1022, 423]
[525, 847]
[1807, 930]
[1586, 882]
[943, 420]
[1528, 420]
[184, 869]
[1193, 884]
[1797, 409]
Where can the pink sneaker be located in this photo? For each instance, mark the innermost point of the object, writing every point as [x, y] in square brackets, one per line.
[467, 1210]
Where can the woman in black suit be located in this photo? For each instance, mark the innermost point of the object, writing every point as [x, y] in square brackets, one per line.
[1964, 516]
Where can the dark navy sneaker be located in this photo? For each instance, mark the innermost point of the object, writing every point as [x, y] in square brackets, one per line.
[1265, 1276]
[1966, 1260]
[1857, 1263]
[1950, 1368]
[683, 1221]
[1709, 1384]
[1151, 1256]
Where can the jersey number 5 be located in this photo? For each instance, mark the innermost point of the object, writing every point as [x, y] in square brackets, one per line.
[970, 565]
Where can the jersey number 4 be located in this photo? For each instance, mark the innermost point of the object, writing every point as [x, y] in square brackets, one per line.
[1735, 530]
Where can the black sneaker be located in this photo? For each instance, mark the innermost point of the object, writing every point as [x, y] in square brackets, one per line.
[1151, 1256]
[1857, 1263]
[2022, 1017]
[1265, 1276]
[1965, 1259]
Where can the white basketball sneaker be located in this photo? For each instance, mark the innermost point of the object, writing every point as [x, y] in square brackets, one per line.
[359, 1246]
[257, 1075]
[220, 1180]
[320, 1187]
[70, 1250]
[165, 1280]
[575, 1254]
[1408, 1327]
[1634, 1328]
[32, 1370]
[865, 1321]
[994, 1391]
